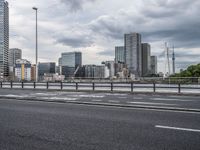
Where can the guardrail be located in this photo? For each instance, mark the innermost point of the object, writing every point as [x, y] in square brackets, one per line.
[109, 86]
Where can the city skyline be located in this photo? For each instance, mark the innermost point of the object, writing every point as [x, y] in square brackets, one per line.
[96, 33]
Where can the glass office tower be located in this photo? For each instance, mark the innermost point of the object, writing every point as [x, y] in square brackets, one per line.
[4, 38]
[133, 54]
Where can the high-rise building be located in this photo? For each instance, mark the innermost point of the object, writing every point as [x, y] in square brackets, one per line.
[146, 59]
[23, 70]
[71, 59]
[94, 71]
[14, 54]
[133, 54]
[119, 54]
[70, 63]
[4, 38]
[154, 65]
[47, 67]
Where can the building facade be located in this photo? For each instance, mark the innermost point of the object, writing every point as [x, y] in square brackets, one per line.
[119, 54]
[71, 59]
[23, 70]
[46, 68]
[4, 39]
[14, 54]
[146, 59]
[154, 65]
[33, 72]
[133, 54]
[94, 71]
[111, 67]
[70, 63]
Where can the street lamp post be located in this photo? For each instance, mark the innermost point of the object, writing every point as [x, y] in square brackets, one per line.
[36, 47]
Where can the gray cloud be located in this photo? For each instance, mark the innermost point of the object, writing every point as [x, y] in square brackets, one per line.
[171, 21]
[107, 53]
[75, 5]
[76, 42]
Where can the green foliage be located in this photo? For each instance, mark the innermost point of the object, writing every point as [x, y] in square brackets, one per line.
[192, 71]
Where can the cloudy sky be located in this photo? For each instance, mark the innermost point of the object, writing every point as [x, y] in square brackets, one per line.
[95, 27]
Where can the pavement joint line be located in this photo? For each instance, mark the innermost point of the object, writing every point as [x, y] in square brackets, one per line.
[177, 128]
[110, 105]
[197, 111]
[149, 103]
[97, 100]
[113, 101]
[166, 99]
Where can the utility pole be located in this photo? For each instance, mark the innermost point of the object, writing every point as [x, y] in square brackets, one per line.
[36, 47]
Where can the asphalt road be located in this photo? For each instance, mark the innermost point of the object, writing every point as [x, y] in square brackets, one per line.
[124, 99]
[33, 125]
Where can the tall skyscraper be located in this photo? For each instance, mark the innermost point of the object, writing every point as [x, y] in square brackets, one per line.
[146, 59]
[14, 54]
[133, 54]
[154, 65]
[4, 38]
[119, 54]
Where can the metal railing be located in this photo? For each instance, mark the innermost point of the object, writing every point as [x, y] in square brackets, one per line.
[109, 86]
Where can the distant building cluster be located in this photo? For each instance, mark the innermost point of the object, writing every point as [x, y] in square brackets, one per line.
[132, 60]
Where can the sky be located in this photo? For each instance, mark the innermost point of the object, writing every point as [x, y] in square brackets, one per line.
[95, 27]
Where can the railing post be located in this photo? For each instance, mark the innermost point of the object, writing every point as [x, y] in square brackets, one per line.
[111, 86]
[154, 87]
[93, 86]
[179, 88]
[34, 85]
[47, 85]
[132, 87]
[76, 86]
[11, 84]
[22, 85]
[61, 85]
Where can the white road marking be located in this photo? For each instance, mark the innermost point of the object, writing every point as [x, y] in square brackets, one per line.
[91, 96]
[147, 103]
[177, 128]
[97, 100]
[113, 101]
[165, 99]
[137, 98]
[59, 98]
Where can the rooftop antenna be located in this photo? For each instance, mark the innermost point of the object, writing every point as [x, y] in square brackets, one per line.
[167, 61]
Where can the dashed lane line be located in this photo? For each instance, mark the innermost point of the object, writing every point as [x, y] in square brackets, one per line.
[177, 128]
